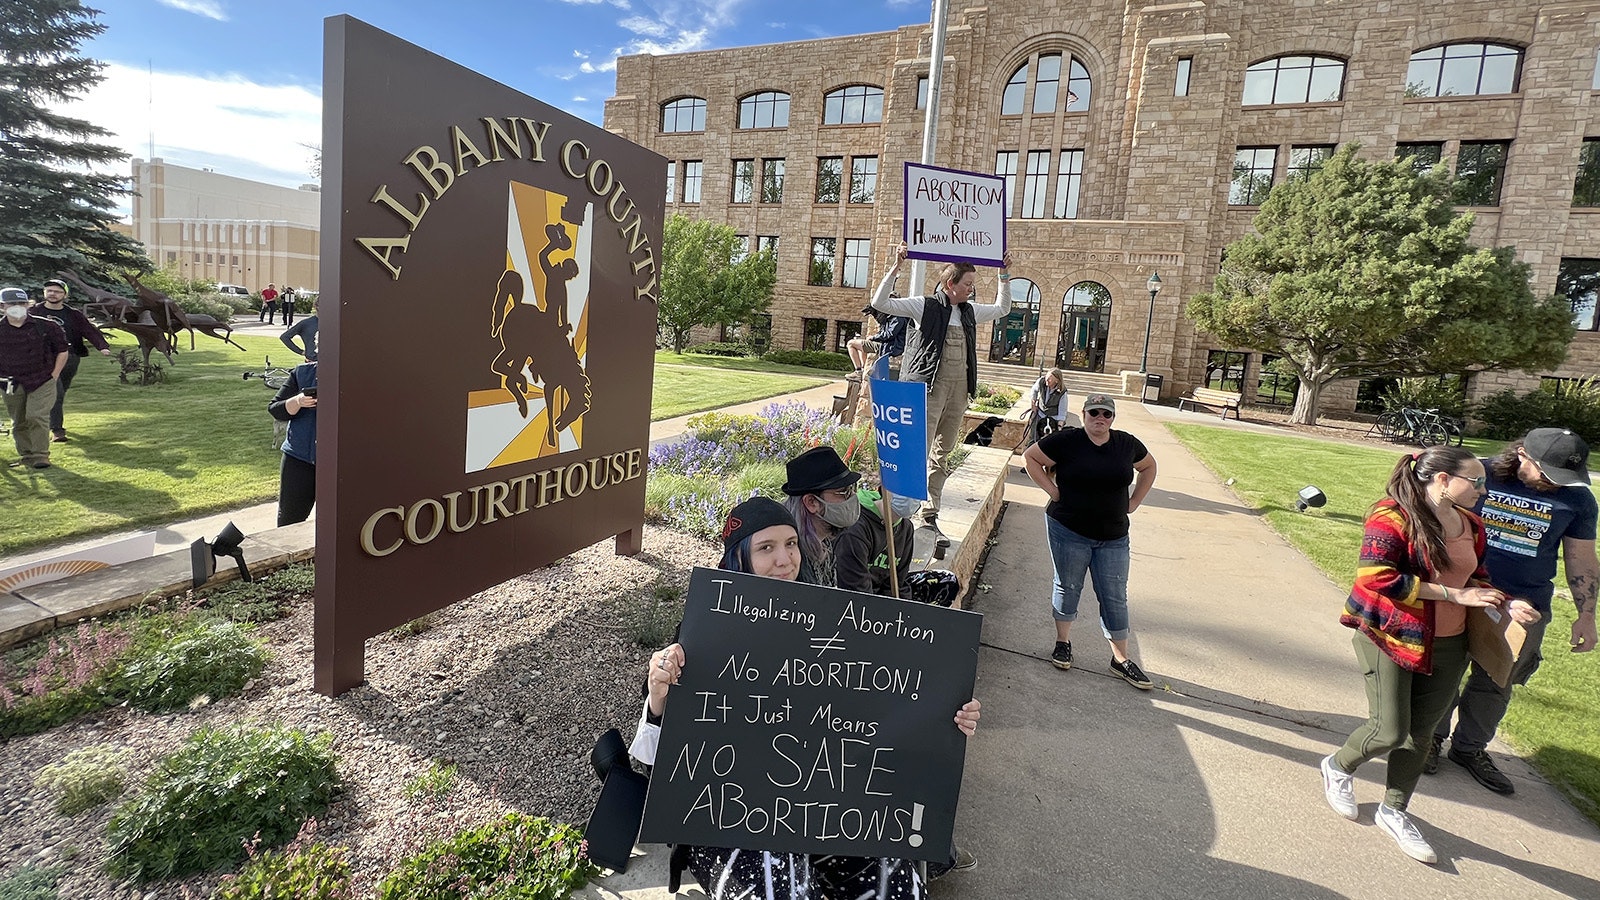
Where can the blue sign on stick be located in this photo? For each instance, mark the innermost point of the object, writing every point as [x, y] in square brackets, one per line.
[900, 418]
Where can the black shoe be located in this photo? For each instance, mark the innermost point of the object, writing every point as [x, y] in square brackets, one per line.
[1061, 657]
[939, 540]
[1430, 759]
[59, 437]
[1483, 769]
[963, 862]
[1132, 674]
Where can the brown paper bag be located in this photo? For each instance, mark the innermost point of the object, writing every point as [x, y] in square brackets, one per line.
[1494, 640]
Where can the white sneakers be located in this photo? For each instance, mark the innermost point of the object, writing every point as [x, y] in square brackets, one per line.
[1399, 826]
[1340, 789]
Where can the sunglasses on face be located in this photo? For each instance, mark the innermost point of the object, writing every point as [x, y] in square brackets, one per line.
[1101, 414]
[1477, 483]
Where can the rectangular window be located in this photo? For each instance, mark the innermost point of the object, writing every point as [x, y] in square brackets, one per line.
[1370, 391]
[1181, 87]
[922, 91]
[830, 175]
[1586, 188]
[743, 252]
[767, 243]
[816, 335]
[1276, 383]
[172, 257]
[1305, 160]
[772, 181]
[1480, 172]
[692, 169]
[1069, 178]
[1252, 175]
[1034, 184]
[844, 333]
[822, 250]
[1424, 155]
[1005, 165]
[1225, 370]
[233, 261]
[197, 259]
[857, 259]
[672, 182]
[1579, 282]
[863, 179]
[761, 331]
[744, 181]
[209, 260]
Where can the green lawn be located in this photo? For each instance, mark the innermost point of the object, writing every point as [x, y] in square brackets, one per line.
[746, 363]
[1554, 720]
[201, 442]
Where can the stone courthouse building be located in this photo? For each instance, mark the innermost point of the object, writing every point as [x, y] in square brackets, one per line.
[1136, 138]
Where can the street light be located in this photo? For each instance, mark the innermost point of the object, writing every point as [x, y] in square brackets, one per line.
[1154, 287]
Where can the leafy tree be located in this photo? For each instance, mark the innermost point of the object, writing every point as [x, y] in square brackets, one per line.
[707, 280]
[1365, 269]
[55, 211]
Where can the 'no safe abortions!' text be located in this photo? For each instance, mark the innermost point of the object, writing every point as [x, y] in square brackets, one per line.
[813, 720]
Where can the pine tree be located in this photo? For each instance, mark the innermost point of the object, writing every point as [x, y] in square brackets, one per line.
[56, 207]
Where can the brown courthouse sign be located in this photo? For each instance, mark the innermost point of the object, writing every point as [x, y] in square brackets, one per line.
[488, 324]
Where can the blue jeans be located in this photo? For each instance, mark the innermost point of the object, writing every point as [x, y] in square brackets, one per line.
[1105, 561]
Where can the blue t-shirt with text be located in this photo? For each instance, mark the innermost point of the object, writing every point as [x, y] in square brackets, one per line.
[1526, 527]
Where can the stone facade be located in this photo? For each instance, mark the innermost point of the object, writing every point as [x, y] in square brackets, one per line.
[1157, 163]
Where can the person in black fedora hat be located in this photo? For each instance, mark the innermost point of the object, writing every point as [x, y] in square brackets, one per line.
[1538, 507]
[822, 499]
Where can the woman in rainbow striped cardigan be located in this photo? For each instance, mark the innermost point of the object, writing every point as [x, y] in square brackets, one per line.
[1421, 567]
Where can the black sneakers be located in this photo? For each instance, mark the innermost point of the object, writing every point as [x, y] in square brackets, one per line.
[1061, 657]
[1430, 758]
[939, 540]
[1132, 674]
[1483, 769]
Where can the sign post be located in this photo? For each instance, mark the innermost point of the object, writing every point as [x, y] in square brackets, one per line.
[813, 720]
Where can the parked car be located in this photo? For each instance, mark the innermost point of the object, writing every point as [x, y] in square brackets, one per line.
[234, 290]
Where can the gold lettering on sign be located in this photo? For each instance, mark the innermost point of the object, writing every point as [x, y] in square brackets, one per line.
[425, 519]
[503, 137]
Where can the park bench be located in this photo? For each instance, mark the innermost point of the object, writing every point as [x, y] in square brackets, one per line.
[1225, 400]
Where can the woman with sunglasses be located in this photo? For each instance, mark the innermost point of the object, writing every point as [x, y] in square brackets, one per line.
[1421, 568]
[1086, 472]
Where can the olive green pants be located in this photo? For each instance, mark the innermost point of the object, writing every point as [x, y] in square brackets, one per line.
[1402, 708]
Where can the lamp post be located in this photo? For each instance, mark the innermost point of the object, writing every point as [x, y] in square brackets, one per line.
[1154, 286]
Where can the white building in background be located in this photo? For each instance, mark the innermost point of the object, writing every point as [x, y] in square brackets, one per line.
[226, 229]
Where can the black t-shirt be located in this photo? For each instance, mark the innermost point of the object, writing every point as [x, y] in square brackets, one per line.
[1093, 481]
[69, 325]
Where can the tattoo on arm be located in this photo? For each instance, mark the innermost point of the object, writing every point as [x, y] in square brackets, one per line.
[1583, 589]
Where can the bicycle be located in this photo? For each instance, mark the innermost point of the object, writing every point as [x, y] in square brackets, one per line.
[274, 378]
[1425, 427]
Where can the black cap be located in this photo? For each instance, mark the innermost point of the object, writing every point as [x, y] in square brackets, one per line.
[1562, 456]
[752, 516]
[816, 470]
[12, 295]
[56, 282]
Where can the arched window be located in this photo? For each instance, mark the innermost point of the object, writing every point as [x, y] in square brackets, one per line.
[1016, 335]
[1085, 325]
[1294, 79]
[1047, 94]
[1462, 70]
[768, 109]
[854, 105]
[683, 114]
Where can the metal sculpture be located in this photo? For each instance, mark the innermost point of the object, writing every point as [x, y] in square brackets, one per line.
[153, 319]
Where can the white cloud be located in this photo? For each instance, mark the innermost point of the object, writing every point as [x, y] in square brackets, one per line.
[619, 4]
[226, 122]
[211, 9]
[580, 99]
[649, 27]
[589, 68]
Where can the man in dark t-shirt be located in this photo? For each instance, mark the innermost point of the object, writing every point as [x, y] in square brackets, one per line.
[1087, 473]
[80, 334]
[1538, 505]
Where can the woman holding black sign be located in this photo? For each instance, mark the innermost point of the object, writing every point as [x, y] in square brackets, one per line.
[760, 538]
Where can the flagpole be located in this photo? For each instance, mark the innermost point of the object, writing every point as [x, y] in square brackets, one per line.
[930, 122]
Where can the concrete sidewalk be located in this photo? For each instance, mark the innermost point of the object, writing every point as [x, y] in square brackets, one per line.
[1078, 785]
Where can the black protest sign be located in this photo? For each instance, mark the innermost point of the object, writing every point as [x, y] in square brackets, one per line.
[813, 720]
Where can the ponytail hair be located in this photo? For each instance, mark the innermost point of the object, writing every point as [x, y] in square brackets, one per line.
[1407, 487]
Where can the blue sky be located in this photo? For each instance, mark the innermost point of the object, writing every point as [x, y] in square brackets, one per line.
[236, 85]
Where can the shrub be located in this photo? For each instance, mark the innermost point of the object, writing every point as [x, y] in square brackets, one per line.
[1569, 404]
[995, 398]
[1447, 395]
[210, 658]
[30, 883]
[720, 348]
[210, 304]
[62, 682]
[265, 599]
[693, 456]
[222, 788]
[85, 778]
[302, 870]
[517, 856]
[811, 359]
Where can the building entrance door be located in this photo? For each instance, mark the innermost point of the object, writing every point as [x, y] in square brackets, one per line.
[1085, 325]
[1016, 337]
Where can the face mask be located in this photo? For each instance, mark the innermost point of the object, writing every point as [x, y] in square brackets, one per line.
[842, 514]
[17, 313]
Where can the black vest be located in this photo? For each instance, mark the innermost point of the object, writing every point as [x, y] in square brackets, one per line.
[925, 343]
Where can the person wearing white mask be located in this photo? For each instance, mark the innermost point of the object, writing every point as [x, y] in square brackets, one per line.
[861, 552]
[33, 351]
[821, 493]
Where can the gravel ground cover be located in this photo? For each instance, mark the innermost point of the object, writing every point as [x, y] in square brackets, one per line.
[511, 686]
